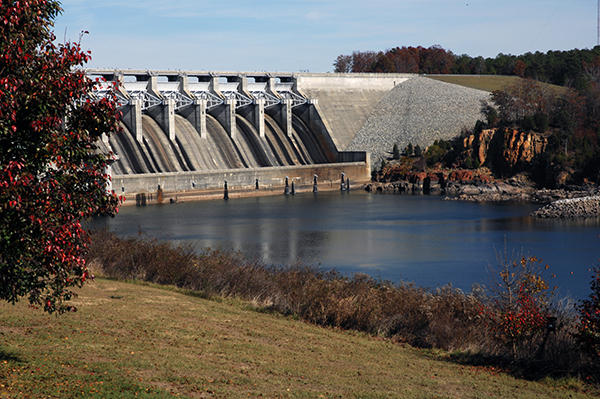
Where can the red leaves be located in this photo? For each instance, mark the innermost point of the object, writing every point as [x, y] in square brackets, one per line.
[520, 309]
[589, 316]
[51, 177]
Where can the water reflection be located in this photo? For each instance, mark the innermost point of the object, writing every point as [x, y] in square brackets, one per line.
[420, 239]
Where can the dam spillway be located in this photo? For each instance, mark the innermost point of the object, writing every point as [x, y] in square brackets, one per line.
[195, 129]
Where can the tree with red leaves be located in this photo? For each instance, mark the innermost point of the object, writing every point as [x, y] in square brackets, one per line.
[52, 175]
[517, 314]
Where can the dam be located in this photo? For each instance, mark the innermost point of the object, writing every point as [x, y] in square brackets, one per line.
[194, 130]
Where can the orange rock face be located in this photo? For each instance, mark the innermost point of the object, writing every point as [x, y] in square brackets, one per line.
[519, 147]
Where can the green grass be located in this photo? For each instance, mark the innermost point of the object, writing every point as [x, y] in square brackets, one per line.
[488, 82]
[132, 340]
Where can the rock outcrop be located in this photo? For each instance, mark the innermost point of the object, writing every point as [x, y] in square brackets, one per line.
[430, 182]
[509, 147]
[478, 186]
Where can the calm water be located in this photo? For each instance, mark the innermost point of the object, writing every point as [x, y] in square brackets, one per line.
[401, 238]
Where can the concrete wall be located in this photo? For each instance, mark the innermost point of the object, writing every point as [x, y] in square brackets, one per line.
[345, 101]
[358, 172]
[350, 81]
[354, 156]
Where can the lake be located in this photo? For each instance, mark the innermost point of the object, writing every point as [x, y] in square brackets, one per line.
[418, 239]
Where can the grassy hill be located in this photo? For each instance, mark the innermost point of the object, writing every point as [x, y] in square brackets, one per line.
[130, 340]
[488, 82]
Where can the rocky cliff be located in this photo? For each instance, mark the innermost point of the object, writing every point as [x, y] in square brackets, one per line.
[507, 150]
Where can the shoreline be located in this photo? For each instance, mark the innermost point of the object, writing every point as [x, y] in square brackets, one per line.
[565, 202]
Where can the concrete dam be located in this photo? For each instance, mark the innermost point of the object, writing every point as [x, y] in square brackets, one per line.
[193, 130]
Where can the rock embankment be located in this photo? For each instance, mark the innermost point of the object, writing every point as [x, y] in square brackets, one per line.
[513, 190]
[477, 186]
[418, 111]
[571, 208]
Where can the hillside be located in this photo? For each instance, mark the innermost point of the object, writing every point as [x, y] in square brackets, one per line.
[489, 82]
[131, 340]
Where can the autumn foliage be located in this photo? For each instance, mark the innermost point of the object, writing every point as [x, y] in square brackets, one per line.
[565, 68]
[406, 60]
[589, 316]
[51, 174]
[517, 314]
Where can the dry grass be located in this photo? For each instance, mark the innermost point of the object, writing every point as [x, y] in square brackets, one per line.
[131, 340]
[444, 318]
[489, 82]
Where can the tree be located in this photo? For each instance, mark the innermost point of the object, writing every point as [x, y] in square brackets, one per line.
[343, 64]
[490, 113]
[409, 150]
[395, 152]
[363, 61]
[418, 151]
[435, 153]
[52, 175]
[520, 68]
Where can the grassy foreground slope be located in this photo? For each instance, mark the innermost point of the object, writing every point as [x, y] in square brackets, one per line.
[488, 82]
[130, 340]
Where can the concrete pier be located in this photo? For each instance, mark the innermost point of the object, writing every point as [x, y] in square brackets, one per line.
[132, 118]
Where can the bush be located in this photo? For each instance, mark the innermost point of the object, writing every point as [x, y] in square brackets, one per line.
[518, 312]
[403, 312]
[541, 122]
[589, 316]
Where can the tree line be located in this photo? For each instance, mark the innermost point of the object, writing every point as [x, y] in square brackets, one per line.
[564, 68]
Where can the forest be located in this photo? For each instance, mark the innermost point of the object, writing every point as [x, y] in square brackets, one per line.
[565, 68]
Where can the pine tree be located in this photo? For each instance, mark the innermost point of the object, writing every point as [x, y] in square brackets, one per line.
[395, 152]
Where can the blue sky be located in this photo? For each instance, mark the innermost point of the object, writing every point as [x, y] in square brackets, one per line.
[295, 35]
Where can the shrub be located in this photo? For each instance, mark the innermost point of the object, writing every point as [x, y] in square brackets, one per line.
[403, 312]
[509, 323]
[517, 314]
[589, 318]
